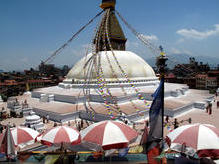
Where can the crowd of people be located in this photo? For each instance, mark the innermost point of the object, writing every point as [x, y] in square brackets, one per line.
[79, 124]
[175, 123]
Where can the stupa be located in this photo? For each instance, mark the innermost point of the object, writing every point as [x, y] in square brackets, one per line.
[111, 58]
[33, 121]
[111, 81]
[138, 71]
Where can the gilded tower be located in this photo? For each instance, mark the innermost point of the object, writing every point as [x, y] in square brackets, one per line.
[109, 31]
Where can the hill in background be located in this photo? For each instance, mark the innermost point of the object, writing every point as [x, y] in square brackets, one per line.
[175, 59]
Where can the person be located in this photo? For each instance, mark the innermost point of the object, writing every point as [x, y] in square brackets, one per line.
[133, 125]
[9, 124]
[47, 118]
[44, 119]
[78, 126]
[147, 123]
[190, 120]
[55, 124]
[176, 123]
[207, 108]
[82, 124]
[210, 109]
[25, 105]
[1, 128]
[87, 123]
[126, 121]
[167, 119]
[69, 123]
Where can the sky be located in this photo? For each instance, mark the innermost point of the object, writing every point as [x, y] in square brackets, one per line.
[31, 30]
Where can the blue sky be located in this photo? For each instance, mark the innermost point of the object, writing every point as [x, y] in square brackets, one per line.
[30, 30]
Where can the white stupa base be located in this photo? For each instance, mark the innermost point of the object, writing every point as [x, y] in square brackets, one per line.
[33, 121]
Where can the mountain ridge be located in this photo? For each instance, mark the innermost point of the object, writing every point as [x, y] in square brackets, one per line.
[174, 59]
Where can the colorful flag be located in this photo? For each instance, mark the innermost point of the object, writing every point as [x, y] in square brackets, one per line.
[156, 124]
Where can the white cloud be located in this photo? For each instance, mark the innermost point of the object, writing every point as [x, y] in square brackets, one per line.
[132, 44]
[195, 34]
[149, 37]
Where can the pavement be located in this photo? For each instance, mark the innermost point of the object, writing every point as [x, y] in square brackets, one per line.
[200, 116]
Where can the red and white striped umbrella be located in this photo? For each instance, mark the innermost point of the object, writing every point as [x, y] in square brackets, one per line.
[109, 135]
[61, 135]
[204, 138]
[23, 136]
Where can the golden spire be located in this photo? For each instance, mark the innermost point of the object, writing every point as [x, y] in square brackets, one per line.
[109, 35]
[108, 4]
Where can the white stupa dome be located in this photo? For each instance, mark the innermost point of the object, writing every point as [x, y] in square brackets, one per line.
[133, 65]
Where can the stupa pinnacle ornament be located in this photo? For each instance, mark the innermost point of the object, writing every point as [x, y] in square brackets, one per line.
[108, 4]
[109, 31]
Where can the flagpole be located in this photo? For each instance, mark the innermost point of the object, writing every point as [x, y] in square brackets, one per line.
[156, 115]
[161, 64]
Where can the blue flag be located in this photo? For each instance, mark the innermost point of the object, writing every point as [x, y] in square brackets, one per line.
[123, 152]
[155, 118]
